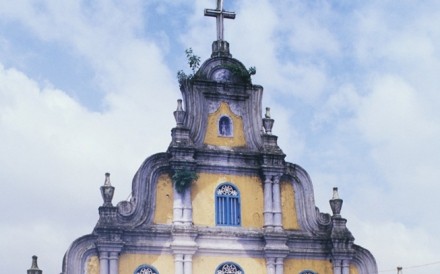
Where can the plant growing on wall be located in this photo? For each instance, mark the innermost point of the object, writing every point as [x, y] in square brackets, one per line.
[194, 64]
[183, 178]
[244, 75]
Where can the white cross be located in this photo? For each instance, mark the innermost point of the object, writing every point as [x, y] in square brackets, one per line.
[220, 14]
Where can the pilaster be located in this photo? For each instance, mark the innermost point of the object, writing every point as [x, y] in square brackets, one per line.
[276, 250]
[181, 151]
[108, 252]
[277, 218]
[183, 248]
[178, 263]
[103, 262]
[272, 167]
[268, 202]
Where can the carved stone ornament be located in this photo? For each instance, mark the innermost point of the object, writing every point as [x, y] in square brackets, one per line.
[268, 122]
[34, 267]
[179, 114]
[336, 203]
[107, 191]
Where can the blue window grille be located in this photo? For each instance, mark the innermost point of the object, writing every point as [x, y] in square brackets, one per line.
[227, 205]
[229, 268]
[146, 269]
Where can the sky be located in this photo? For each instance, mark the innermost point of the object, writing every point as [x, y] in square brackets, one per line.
[88, 87]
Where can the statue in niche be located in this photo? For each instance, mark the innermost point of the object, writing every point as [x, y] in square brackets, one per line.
[225, 126]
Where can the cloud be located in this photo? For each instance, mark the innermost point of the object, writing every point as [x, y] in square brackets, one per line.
[412, 243]
[54, 150]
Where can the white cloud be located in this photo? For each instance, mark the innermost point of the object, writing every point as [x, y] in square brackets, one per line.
[411, 246]
[54, 151]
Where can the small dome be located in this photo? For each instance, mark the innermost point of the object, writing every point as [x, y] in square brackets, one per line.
[221, 67]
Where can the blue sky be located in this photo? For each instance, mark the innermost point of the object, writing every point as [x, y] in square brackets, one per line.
[89, 87]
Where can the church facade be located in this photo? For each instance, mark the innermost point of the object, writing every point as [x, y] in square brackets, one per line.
[222, 199]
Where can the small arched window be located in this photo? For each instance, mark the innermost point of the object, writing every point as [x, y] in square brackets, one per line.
[146, 269]
[227, 205]
[225, 126]
[307, 272]
[229, 268]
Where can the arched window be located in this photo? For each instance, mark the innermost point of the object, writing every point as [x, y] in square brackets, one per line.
[227, 205]
[225, 126]
[307, 272]
[146, 269]
[229, 268]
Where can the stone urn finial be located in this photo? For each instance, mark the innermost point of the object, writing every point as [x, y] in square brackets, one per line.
[107, 179]
[179, 114]
[336, 203]
[107, 191]
[267, 114]
[268, 122]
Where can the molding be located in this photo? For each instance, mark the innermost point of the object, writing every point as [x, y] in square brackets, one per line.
[75, 258]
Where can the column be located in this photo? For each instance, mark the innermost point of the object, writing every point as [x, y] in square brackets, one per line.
[337, 267]
[187, 207]
[276, 199]
[178, 263]
[270, 264]
[103, 262]
[268, 213]
[177, 207]
[187, 264]
[345, 267]
[279, 266]
[114, 263]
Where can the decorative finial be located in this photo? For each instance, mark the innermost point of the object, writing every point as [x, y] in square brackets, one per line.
[267, 115]
[34, 262]
[34, 267]
[268, 122]
[336, 203]
[179, 114]
[107, 191]
[335, 193]
[220, 14]
[107, 179]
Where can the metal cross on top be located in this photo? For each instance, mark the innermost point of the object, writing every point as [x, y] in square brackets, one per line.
[220, 14]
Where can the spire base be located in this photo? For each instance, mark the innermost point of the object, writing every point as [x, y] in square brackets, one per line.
[220, 48]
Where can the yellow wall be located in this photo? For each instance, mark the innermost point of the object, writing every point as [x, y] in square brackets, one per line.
[290, 220]
[298, 265]
[164, 200]
[208, 264]
[353, 269]
[128, 263]
[251, 192]
[212, 136]
[92, 265]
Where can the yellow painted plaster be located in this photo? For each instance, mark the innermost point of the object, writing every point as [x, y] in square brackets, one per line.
[92, 265]
[212, 136]
[298, 265]
[353, 269]
[251, 193]
[208, 264]
[128, 263]
[164, 200]
[290, 219]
